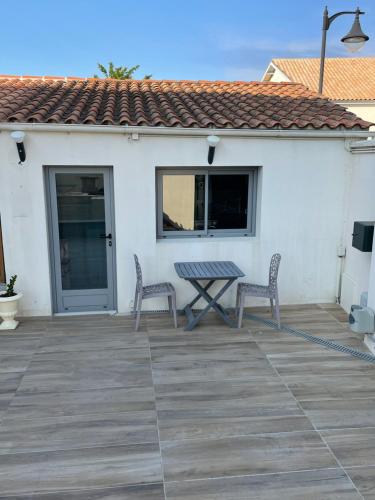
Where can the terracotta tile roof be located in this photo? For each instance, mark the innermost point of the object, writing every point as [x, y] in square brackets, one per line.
[168, 103]
[345, 78]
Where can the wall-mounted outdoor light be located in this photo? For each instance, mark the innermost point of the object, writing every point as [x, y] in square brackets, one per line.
[213, 141]
[353, 41]
[18, 136]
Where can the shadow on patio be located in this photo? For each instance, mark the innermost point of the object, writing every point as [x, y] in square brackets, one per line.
[92, 410]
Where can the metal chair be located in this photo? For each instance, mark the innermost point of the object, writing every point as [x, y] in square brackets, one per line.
[269, 291]
[150, 291]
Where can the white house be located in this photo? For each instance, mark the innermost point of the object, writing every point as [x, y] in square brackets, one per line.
[349, 81]
[114, 168]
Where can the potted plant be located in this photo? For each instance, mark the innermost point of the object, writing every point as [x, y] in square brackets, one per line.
[9, 305]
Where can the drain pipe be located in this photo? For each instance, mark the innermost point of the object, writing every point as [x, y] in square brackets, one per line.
[341, 253]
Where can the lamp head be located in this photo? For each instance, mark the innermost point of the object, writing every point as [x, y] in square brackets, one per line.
[213, 140]
[355, 39]
[18, 136]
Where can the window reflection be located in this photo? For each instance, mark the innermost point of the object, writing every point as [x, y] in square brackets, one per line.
[81, 222]
[183, 202]
[228, 201]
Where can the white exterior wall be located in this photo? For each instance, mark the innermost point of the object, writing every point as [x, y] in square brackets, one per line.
[361, 207]
[371, 288]
[300, 214]
[277, 76]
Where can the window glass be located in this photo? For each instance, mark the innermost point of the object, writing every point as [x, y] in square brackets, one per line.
[228, 201]
[206, 202]
[81, 219]
[183, 202]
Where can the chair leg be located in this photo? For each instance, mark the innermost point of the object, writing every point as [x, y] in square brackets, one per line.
[174, 309]
[237, 303]
[277, 309]
[135, 302]
[240, 309]
[170, 307]
[138, 313]
[272, 308]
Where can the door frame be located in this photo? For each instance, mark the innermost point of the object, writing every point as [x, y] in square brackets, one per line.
[52, 237]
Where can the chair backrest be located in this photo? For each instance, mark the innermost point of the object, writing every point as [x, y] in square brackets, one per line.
[138, 270]
[274, 270]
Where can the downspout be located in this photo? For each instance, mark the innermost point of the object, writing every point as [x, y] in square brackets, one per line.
[341, 249]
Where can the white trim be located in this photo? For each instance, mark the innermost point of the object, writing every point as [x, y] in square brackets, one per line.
[360, 147]
[85, 313]
[180, 131]
[355, 102]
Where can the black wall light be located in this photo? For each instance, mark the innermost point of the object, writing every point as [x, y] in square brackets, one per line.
[213, 141]
[18, 136]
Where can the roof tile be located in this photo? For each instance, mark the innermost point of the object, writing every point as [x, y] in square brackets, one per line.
[168, 103]
[345, 78]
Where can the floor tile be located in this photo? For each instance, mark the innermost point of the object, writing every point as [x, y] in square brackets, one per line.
[78, 469]
[133, 492]
[18, 344]
[81, 402]
[323, 387]
[100, 353]
[340, 413]
[14, 362]
[53, 375]
[364, 479]
[217, 423]
[5, 400]
[226, 394]
[166, 337]
[195, 371]
[352, 447]
[244, 455]
[239, 351]
[333, 363]
[287, 346]
[9, 382]
[83, 341]
[336, 311]
[83, 431]
[326, 484]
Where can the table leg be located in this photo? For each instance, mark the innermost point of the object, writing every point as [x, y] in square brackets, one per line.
[195, 300]
[212, 302]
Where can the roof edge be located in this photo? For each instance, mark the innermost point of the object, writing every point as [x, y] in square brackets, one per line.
[44, 78]
[191, 132]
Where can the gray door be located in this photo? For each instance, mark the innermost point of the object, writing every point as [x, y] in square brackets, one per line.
[82, 238]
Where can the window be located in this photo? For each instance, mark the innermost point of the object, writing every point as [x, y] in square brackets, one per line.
[201, 202]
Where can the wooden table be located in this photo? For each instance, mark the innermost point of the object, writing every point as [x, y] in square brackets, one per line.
[195, 272]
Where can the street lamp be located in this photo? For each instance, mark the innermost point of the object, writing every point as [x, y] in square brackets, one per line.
[353, 41]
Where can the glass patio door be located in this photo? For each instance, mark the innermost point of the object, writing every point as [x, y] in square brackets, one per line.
[81, 220]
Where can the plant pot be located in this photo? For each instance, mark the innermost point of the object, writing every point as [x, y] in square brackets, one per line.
[8, 310]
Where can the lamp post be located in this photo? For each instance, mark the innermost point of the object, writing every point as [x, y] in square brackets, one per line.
[354, 40]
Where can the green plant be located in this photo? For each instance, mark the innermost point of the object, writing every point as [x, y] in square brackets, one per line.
[119, 72]
[9, 291]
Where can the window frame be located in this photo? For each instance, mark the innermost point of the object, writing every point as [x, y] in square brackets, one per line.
[252, 173]
[2, 260]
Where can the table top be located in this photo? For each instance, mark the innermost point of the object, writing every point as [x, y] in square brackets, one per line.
[223, 269]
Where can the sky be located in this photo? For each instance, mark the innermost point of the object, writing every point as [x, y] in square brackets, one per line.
[171, 39]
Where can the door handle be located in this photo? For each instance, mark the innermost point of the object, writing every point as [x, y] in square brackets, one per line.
[106, 236]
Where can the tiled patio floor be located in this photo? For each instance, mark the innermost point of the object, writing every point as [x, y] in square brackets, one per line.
[92, 410]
